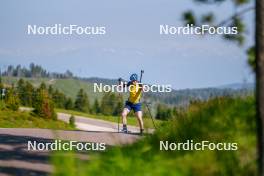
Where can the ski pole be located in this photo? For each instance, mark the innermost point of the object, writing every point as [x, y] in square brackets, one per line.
[141, 75]
[151, 116]
[119, 83]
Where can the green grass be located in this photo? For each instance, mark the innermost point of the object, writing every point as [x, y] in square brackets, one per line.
[13, 119]
[130, 120]
[218, 120]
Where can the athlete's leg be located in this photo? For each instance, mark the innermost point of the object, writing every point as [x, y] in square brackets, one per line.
[124, 117]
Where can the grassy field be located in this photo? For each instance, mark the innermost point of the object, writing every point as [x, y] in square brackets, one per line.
[130, 120]
[219, 120]
[12, 119]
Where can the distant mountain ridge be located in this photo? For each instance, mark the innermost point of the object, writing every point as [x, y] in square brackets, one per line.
[182, 97]
[70, 84]
[70, 87]
[235, 86]
[238, 86]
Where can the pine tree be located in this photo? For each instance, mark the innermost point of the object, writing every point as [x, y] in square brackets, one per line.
[12, 100]
[109, 104]
[68, 104]
[43, 105]
[119, 106]
[21, 92]
[96, 107]
[82, 101]
[1, 83]
[169, 114]
[1, 87]
[50, 89]
[158, 113]
[29, 93]
[58, 99]
[43, 86]
[105, 104]
[25, 92]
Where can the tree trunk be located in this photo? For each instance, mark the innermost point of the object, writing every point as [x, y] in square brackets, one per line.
[260, 82]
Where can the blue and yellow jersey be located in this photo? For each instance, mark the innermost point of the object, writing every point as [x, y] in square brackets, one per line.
[135, 92]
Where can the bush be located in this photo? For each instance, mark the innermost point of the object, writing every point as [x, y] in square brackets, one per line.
[72, 121]
[2, 105]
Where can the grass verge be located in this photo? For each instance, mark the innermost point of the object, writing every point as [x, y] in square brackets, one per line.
[18, 119]
[223, 120]
[130, 120]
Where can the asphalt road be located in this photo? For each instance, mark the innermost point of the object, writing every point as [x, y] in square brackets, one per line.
[92, 124]
[16, 159]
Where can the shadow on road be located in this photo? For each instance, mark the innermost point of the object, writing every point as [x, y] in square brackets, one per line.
[21, 171]
[15, 159]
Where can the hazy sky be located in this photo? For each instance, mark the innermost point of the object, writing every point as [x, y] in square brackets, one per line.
[132, 41]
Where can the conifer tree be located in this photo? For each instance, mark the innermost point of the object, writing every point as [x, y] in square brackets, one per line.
[96, 107]
[1, 87]
[29, 94]
[118, 106]
[21, 91]
[82, 101]
[43, 104]
[43, 86]
[12, 100]
[1, 83]
[109, 104]
[58, 99]
[68, 104]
